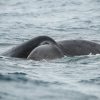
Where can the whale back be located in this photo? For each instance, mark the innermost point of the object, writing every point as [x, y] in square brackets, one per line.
[79, 47]
[23, 50]
[47, 52]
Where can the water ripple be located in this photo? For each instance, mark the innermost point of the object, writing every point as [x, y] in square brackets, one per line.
[13, 77]
[91, 81]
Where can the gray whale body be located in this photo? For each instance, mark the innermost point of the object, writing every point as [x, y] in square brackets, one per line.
[67, 47]
[48, 52]
[79, 47]
[24, 49]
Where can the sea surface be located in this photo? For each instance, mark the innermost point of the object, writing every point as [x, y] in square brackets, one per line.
[68, 78]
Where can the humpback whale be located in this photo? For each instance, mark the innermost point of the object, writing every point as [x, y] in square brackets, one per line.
[46, 51]
[40, 44]
[24, 49]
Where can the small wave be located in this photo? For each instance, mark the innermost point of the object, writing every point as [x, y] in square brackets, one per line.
[97, 1]
[91, 81]
[6, 44]
[45, 83]
[5, 95]
[21, 77]
[14, 77]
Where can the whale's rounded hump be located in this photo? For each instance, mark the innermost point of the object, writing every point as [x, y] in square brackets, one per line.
[47, 52]
[24, 49]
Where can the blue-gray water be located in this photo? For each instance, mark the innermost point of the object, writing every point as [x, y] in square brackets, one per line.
[69, 78]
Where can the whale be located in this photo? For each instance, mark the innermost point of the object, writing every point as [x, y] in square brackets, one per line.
[79, 47]
[24, 49]
[67, 47]
[46, 52]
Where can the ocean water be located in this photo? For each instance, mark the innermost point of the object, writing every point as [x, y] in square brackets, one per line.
[68, 78]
